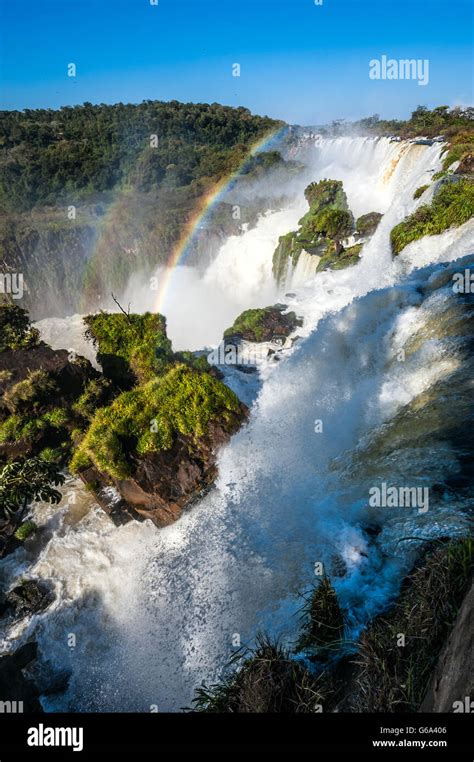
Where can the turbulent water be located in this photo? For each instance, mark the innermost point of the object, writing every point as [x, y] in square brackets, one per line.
[155, 612]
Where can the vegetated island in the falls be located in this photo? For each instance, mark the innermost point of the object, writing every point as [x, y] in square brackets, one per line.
[143, 434]
[327, 232]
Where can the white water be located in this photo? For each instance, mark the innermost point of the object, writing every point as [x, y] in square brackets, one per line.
[155, 612]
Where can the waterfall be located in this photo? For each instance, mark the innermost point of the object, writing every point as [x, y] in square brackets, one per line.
[155, 612]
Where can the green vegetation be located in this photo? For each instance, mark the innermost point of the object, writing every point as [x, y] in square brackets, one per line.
[381, 676]
[367, 224]
[268, 680]
[32, 479]
[322, 228]
[453, 205]
[323, 621]
[150, 417]
[346, 258]
[15, 328]
[131, 348]
[461, 145]
[86, 151]
[25, 530]
[419, 191]
[439, 121]
[97, 393]
[32, 394]
[396, 679]
[263, 323]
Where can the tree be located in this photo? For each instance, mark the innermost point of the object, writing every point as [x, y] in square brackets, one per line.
[335, 224]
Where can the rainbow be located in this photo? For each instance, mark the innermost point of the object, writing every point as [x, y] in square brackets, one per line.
[200, 215]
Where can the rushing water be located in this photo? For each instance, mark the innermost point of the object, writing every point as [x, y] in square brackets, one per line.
[155, 612]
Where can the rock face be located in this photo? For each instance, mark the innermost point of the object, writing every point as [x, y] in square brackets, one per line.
[17, 692]
[453, 678]
[267, 324]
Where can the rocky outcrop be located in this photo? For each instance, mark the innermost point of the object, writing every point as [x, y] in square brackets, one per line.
[163, 483]
[267, 324]
[452, 682]
[30, 597]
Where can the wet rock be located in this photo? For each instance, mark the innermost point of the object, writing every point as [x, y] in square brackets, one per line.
[31, 597]
[266, 324]
[17, 692]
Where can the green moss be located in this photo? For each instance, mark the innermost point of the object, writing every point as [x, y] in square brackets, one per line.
[259, 324]
[131, 348]
[347, 258]
[150, 417]
[367, 224]
[452, 206]
[419, 191]
[250, 321]
[288, 249]
[31, 394]
[22, 427]
[26, 530]
[96, 394]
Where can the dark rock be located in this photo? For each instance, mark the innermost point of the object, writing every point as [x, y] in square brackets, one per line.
[31, 597]
[15, 688]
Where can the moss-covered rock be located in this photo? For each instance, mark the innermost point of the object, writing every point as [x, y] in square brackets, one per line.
[263, 324]
[131, 348]
[339, 261]
[156, 444]
[367, 224]
[453, 205]
[327, 222]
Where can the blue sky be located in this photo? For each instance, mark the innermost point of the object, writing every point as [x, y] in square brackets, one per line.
[302, 62]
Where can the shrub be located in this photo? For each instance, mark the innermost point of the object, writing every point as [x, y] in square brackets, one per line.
[268, 680]
[452, 206]
[15, 328]
[323, 620]
[419, 191]
[31, 394]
